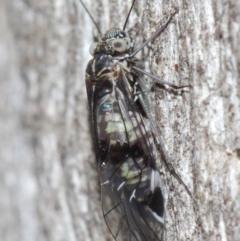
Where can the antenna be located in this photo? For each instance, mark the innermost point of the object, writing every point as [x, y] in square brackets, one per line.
[89, 14]
[153, 36]
[125, 24]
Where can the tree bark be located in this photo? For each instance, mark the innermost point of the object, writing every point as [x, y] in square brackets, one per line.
[48, 177]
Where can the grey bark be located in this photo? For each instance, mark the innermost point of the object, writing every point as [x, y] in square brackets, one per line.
[48, 180]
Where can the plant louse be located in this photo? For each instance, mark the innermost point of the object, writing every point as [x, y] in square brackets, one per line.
[125, 136]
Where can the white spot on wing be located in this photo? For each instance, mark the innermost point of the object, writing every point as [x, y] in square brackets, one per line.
[132, 196]
[160, 219]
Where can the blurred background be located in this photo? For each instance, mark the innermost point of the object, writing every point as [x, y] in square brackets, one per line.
[48, 177]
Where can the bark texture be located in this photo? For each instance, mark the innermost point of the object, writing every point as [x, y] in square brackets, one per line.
[48, 180]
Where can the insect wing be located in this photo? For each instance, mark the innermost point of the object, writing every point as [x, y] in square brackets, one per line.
[125, 154]
[121, 214]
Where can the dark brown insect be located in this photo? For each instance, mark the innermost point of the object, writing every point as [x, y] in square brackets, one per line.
[125, 136]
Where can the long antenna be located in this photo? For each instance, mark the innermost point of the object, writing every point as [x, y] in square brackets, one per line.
[89, 14]
[125, 24]
[153, 36]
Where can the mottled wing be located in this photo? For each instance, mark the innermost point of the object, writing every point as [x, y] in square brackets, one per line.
[129, 182]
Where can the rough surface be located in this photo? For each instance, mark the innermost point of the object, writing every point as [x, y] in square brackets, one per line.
[48, 180]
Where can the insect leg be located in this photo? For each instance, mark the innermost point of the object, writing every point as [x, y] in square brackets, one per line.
[160, 80]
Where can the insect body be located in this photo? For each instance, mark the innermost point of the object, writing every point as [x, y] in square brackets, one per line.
[123, 133]
[123, 139]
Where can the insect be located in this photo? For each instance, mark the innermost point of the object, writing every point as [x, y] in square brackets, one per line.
[125, 136]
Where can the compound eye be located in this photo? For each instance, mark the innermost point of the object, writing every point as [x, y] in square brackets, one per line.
[120, 45]
[92, 48]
